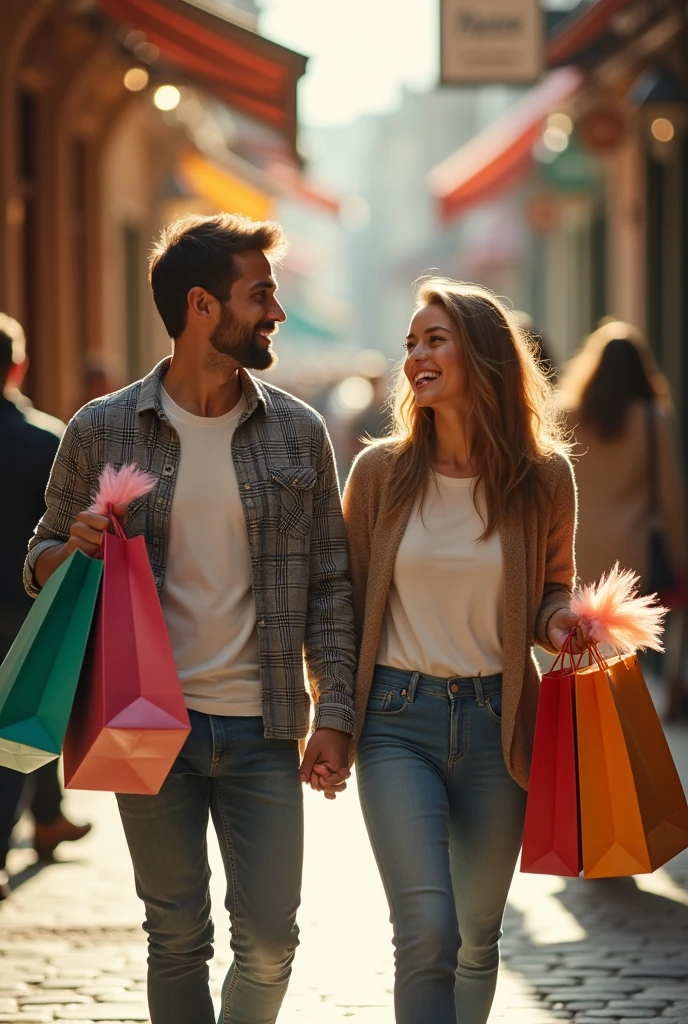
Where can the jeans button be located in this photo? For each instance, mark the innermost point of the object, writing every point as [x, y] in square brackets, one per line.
[454, 687]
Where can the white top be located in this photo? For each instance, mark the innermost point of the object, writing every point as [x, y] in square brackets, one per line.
[207, 598]
[444, 610]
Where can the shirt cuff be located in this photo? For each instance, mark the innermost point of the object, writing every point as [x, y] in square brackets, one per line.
[31, 584]
[332, 714]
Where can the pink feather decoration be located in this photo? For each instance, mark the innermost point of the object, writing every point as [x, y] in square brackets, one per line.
[617, 616]
[121, 486]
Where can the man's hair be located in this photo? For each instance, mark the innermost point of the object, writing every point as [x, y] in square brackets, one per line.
[198, 252]
[12, 345]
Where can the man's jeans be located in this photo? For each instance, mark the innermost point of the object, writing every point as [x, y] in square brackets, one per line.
[445, 820]
[251, 788]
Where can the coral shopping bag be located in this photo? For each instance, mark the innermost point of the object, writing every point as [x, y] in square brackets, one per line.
[633, 810]
[551, 835]
[129, 719]
[39, 676]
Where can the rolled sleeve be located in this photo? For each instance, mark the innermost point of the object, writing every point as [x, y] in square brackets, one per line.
[66, 496]
[560, 567]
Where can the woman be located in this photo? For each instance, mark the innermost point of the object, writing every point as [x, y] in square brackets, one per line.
[631, 484]
[609, 391]
[461, 537]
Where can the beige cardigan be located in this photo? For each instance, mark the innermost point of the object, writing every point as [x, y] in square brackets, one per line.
[537, 549]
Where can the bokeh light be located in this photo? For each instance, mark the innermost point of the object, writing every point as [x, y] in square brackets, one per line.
[561, 122]
[136, 79]
[167, 97]
[662, 129]
[555, 139]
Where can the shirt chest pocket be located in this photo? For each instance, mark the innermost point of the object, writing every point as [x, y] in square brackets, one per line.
[294, 486]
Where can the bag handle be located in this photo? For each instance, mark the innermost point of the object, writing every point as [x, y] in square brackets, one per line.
[558, 662]
[114, 522]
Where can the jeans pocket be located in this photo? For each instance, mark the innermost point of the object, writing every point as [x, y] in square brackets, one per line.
[494, 705]
[387, 700]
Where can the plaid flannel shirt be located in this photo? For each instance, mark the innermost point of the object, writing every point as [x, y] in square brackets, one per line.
[290, 495]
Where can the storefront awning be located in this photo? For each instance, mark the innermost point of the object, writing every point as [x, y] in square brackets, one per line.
[500, 156]
[251, 191]
[249, 73]
[580, 30]
[225, 191]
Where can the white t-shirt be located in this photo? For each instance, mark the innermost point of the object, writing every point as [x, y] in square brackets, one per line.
[207, 598]
[444, 610]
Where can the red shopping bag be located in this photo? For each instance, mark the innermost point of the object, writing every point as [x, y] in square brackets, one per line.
[551, 836]
[129, 719]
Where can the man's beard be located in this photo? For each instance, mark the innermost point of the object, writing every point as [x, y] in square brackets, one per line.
[234, 338]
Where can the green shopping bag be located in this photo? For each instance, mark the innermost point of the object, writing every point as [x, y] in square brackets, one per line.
[39, 676]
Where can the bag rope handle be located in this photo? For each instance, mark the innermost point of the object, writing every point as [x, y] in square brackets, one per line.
[115, 523]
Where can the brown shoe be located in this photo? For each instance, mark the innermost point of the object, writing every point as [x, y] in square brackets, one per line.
[50, 834]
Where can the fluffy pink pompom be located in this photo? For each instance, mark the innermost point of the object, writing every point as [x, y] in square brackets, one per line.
[121, 486]
[616, 614]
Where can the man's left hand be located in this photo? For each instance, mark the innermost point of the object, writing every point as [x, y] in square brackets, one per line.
[325, 764]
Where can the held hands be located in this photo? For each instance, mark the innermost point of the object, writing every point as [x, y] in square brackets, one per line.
[325, 764]
[560, 626]
[87, 531]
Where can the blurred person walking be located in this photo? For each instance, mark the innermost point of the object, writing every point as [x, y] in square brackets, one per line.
[461, 531]
[28, 443]
[247, 545]
[631, 483]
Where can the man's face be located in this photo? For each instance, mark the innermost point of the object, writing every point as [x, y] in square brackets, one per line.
[251, 315]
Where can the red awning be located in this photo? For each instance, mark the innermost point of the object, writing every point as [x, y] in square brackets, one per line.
[500, 156]
[246, 71]
[578, 31]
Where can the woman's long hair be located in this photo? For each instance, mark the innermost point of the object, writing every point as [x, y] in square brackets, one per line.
[516, 426]
[613, 369]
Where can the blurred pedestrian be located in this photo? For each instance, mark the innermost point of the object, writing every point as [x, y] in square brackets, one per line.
[460, 529]
[28, 442]
[631, 482]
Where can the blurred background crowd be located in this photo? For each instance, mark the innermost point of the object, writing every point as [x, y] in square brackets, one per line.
[559, 180]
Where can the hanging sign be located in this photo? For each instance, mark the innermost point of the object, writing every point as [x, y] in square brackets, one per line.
[485, 41]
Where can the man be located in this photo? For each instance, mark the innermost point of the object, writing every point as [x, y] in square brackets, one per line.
[247, 547]
[28, 443]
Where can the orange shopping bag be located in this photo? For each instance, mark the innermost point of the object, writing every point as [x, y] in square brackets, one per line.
[661, 799]
[633, 810]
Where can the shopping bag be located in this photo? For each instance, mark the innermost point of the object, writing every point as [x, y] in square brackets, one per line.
[39, 676]
[662, 802]
[612, 831]
[551, 835]
[129, 719]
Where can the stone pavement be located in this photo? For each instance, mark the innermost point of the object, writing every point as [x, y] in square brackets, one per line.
[574, 950]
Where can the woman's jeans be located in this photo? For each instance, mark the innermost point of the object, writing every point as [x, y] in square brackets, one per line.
[445, 819]
[251, 788]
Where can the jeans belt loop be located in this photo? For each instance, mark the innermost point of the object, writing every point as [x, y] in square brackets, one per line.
[413, 683]
[479, 692]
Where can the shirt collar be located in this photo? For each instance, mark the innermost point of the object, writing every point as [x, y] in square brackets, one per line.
[151, 386]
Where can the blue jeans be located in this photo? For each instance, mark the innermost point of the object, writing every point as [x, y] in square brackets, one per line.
[251, 788]
[445, 819]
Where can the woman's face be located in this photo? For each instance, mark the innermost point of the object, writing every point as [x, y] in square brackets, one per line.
[434, 364]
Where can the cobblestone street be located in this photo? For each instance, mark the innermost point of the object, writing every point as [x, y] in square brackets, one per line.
[71, 948]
